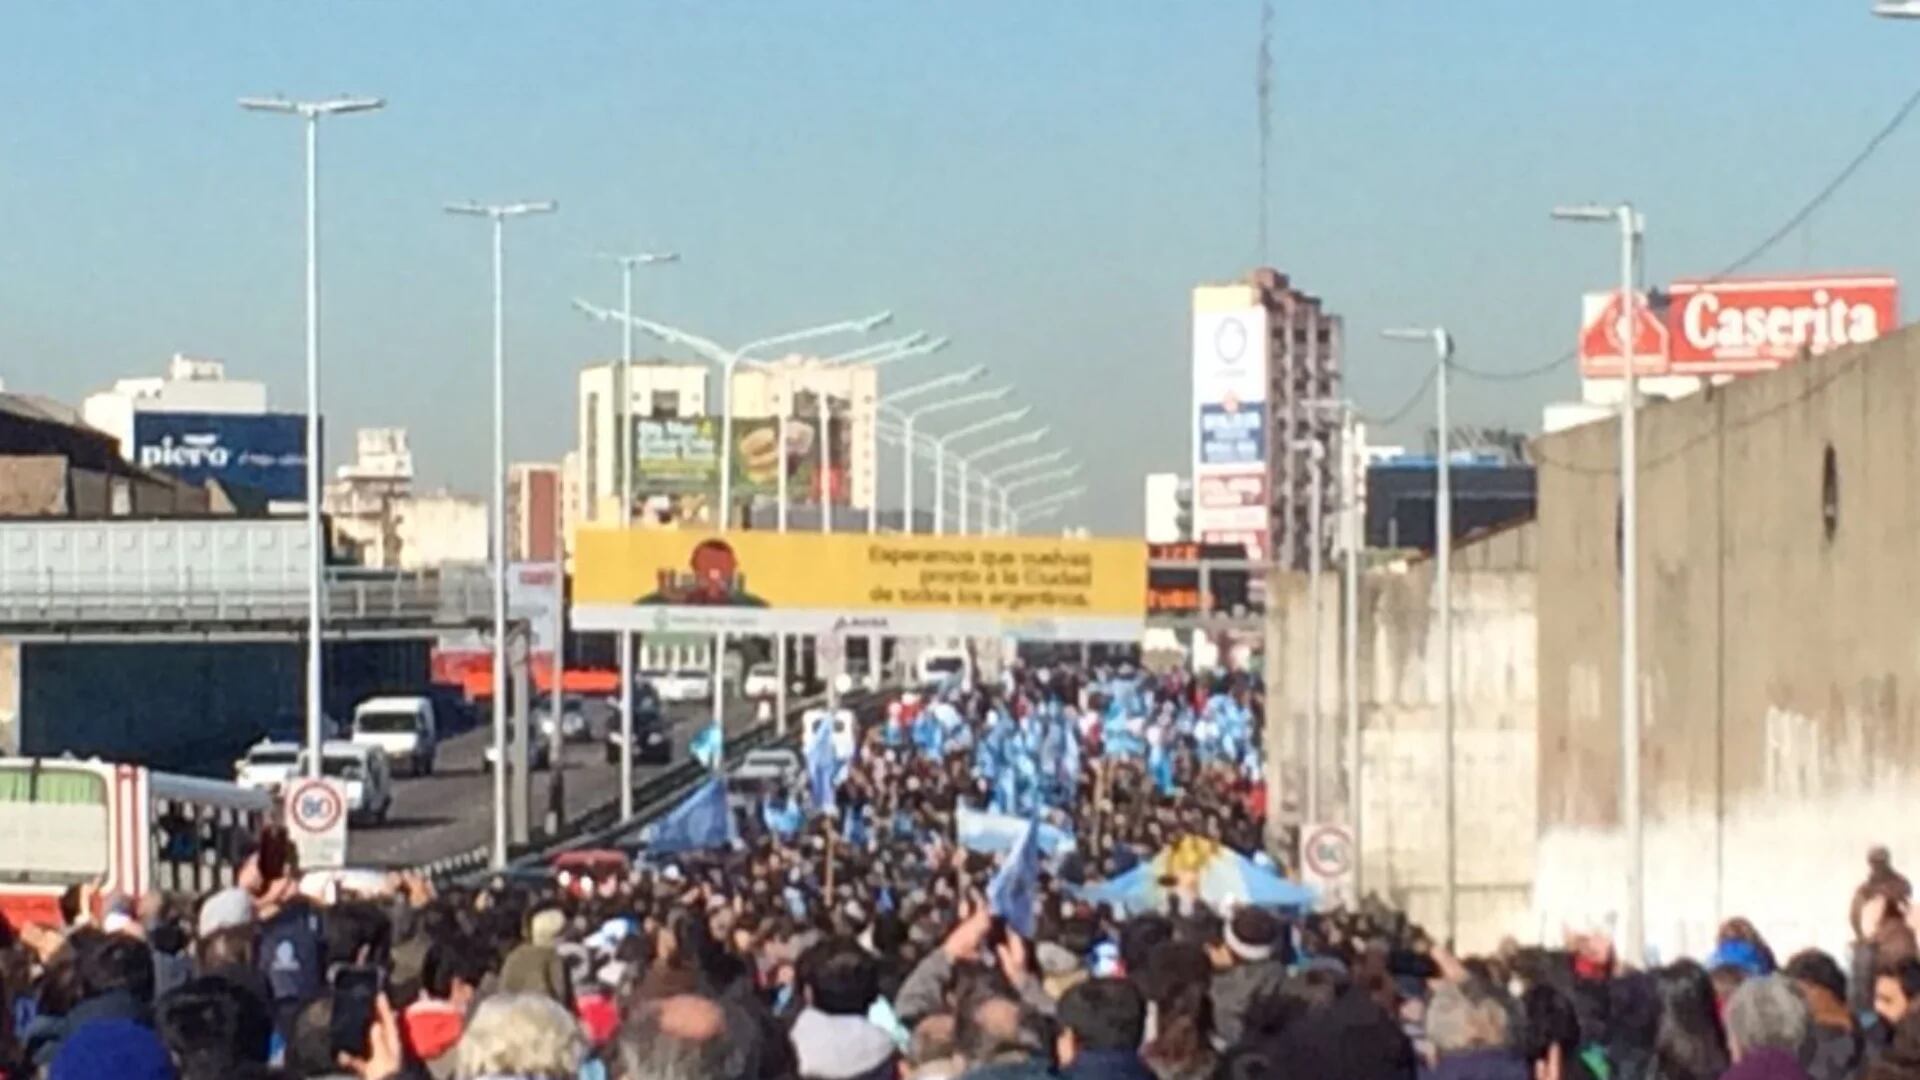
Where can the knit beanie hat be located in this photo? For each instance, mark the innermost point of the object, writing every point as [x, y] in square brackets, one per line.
[1252, 934]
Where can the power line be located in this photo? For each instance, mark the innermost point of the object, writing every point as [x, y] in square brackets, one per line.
[1820, 198]
[1406, 407]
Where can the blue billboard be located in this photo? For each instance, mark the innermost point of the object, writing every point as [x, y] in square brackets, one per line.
[262, 453]
[1233, 435]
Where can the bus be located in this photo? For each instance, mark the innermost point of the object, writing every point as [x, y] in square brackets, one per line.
[129, 829]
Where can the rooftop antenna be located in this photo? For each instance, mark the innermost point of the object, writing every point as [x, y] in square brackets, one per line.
[1263, 93]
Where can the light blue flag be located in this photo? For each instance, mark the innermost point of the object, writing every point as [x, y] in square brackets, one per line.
[822, 763]
[708, 747]
[1015, 888]
[783, 819]
[996, 834]
[702, 820]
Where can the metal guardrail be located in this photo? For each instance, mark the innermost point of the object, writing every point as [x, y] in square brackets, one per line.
[350, 595]
[601, 825]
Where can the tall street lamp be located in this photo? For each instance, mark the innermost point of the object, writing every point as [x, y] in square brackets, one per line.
[497, 214]
[1003, 472]
[623, 482]
[310, 113]
[1632, 227]
[1047, 504]
[1011, 416]
[1442, 344]
[967, 462]
[1050, 477]
[910, 417]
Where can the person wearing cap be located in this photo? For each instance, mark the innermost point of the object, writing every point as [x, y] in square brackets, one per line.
[1255, 971]
[536, 966]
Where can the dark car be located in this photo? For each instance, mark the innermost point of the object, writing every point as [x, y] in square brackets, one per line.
[653, 738]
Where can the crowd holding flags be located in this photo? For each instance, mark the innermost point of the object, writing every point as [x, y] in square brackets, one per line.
[1027, 749]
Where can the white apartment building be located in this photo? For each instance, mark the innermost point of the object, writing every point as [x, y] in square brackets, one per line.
[765, 391]
[655, 389]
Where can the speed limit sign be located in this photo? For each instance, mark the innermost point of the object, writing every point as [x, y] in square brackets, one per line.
[1327, 859]
[316, 812]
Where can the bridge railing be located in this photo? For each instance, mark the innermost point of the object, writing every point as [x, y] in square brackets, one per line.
[348, 594]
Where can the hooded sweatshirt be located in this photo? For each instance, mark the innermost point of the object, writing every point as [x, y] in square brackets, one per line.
[840, 1047]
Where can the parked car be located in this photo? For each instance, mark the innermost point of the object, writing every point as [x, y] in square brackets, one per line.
[268, 764]
[539, 752]
[762, 681]
[365, 772]
[653, 737]
[405, 727]
[572, 722]
[685, 684]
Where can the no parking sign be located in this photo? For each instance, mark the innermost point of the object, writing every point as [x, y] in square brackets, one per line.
[316, 811]
[1327, 858]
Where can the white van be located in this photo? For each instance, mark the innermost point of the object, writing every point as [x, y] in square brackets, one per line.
[366, 775]
[938, 667]
[403, 726]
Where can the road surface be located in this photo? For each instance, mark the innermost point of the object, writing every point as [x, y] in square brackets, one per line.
[451, 811]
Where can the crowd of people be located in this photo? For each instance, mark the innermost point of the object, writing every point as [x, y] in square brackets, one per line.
[863, 926]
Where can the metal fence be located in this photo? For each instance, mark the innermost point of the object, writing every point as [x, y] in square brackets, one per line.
[349, 595]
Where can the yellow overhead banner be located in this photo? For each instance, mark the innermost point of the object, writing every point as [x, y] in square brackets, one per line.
[667, 580]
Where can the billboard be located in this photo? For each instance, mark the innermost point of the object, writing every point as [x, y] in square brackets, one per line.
[675, 455]
[1600, 334]
[1230, 472]
[1230, 357]
[261, 453]
[1231, 434]
[1174, 591]
[756, 454]
[1738, 326]
[688, 581]
[1741, 326]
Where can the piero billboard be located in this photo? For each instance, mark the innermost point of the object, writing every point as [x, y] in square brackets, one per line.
[1230, 437]
[264, 453]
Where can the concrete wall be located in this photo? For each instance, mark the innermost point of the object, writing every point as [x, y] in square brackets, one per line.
[185, 706]
[1401, 724]
[1777, 669]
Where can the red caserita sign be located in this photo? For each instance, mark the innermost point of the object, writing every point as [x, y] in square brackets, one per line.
[1758, 324]
[1738, 326]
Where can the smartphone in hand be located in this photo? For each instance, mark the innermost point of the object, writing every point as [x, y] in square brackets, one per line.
[355, 991]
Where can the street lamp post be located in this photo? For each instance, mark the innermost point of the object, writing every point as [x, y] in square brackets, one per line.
[1897, 9]
[497, 214]
[624, 484]
[999, 475]
[1047, 504]
[1442, 343]
[1006, 492]
[1011, 416]
[310, 113]
[967, 461]
[1632, 227]
[1317, 454]
[909, 417]
[1350, 465]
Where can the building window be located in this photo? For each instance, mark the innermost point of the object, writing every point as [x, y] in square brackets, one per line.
[592, 455]
[666, 404]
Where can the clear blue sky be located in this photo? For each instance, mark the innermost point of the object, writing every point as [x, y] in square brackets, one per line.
[1043, 181]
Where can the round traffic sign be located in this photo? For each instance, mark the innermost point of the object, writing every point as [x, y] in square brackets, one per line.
[314, 806]
[1329, 852]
